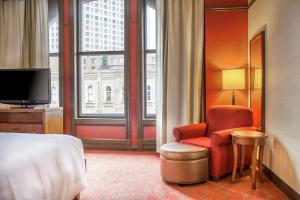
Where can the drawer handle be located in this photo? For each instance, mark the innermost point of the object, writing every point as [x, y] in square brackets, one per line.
[15, 129]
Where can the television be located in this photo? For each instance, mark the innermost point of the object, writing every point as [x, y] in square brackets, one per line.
[25, 87]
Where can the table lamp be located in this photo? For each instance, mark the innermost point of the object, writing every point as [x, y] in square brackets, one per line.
[233, 79]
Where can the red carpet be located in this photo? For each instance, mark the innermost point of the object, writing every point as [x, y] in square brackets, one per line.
[136, 176]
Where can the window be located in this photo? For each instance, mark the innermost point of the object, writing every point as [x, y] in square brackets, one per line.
[150, 58]
[108, 94]
[101, 59]
[53, 24]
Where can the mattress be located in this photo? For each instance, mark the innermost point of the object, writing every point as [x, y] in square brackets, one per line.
[40, 166]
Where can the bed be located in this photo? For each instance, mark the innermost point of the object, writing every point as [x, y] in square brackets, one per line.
[40, 166]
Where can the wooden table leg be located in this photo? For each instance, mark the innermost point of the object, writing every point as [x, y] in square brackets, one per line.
[253, 164]
[261, 155]
[242, 160]
[235, 155]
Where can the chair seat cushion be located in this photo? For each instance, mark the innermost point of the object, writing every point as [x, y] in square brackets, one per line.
[200, 141]
[182, 152]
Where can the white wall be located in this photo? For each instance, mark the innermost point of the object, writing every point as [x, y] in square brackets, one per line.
[281, 20]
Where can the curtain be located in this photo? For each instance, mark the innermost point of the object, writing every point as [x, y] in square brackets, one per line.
[180, 37]
[24, 34]
[11, 37]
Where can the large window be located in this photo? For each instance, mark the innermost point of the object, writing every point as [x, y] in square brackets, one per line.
[150, 58]
[53, 21]
[101, 57]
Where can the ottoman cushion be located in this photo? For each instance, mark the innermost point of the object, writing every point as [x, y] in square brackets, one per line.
[178, 151]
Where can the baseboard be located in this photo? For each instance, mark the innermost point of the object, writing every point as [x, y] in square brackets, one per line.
[147, 145]
[285, 188]
[119, 144]
[106, 144]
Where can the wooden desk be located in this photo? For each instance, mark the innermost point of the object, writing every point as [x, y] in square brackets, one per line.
[255, 138]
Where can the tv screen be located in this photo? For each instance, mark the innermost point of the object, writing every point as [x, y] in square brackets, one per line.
[25, 86]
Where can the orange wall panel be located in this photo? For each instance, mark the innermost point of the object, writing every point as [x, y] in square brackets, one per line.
[226, 47]
[150, 132]
[105, 132]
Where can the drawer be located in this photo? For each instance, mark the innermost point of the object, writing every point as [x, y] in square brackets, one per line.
[21, 128]
[21, 117]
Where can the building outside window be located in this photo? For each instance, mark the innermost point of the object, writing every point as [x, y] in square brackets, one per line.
[108, 94]
[90, 94]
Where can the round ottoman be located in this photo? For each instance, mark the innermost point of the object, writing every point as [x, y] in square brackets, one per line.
[183, 163]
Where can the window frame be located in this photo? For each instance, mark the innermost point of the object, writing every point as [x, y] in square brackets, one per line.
[145, 52]
[80, 53]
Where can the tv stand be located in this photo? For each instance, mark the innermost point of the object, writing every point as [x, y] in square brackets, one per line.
[21, 120]
[23, 107]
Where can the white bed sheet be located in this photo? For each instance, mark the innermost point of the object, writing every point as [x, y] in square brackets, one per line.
[41, 167]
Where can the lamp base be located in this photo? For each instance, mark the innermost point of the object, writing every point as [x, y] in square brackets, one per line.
[233, 98]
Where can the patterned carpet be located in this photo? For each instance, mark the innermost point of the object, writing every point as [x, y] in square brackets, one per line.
[136, 176]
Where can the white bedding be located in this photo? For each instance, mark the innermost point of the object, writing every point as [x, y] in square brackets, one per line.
[41, 167]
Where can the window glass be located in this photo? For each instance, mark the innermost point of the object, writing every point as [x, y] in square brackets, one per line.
[101, 29]
[106, 21]
[150, 24]
[150, 58]
[151, 84]
[53, 24]
[107, 77]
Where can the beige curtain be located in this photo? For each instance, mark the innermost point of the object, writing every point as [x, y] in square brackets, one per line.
[24, 34]
[180, 64]
[11, 29]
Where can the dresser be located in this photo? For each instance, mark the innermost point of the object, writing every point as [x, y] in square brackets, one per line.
[31, 120]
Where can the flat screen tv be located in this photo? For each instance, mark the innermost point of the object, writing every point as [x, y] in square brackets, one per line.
[25, 87]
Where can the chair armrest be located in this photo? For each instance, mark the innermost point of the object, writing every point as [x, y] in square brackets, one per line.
[189, 131]
[223, 137]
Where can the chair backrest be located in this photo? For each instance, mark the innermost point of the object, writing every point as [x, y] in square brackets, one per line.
[227, 117]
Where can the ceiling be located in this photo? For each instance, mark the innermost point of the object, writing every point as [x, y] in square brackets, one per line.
[226, 3]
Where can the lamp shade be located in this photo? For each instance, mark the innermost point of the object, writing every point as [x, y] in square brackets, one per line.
[233, 79]
[257, 79]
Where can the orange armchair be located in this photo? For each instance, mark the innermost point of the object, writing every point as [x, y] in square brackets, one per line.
[215, 135]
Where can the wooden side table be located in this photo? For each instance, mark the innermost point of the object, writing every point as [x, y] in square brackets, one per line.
[243, 138]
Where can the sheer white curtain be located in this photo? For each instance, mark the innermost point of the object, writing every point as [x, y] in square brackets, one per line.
[180, 35]
[24, 34]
